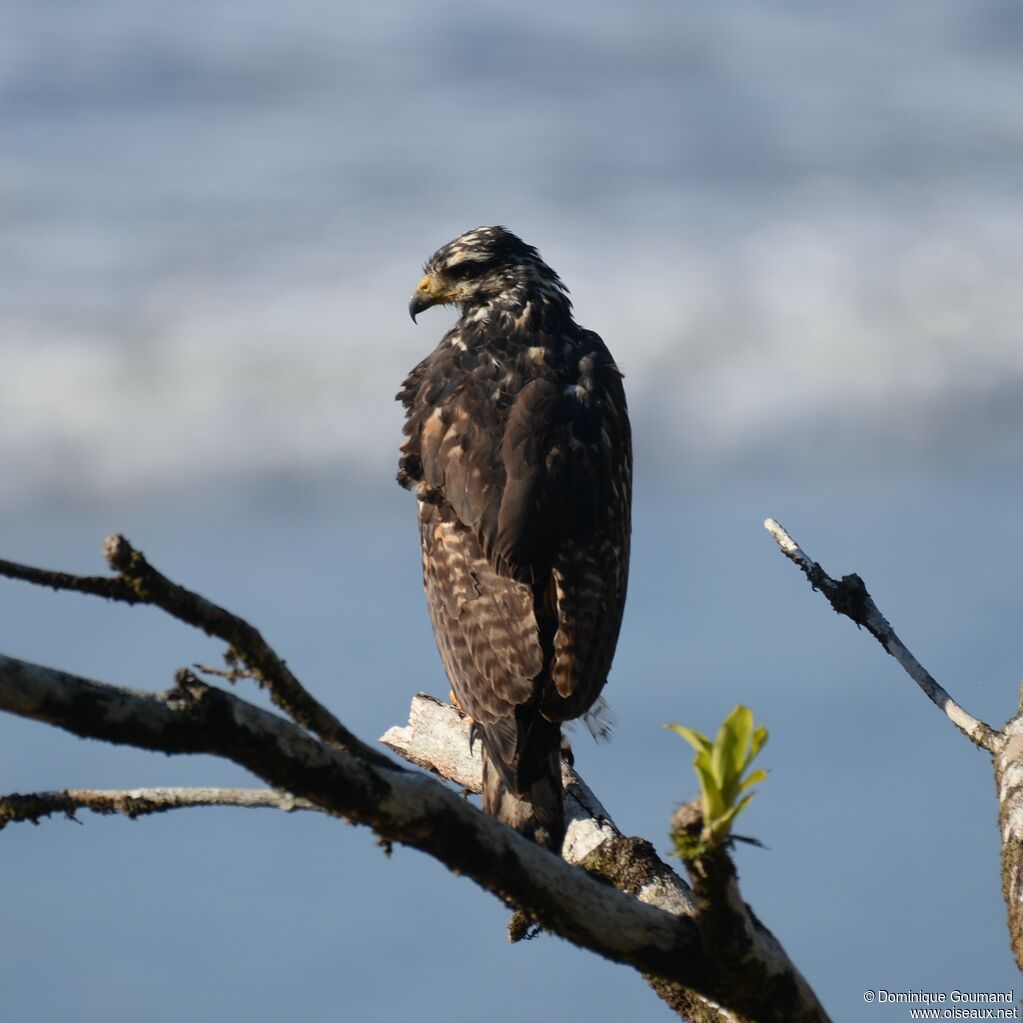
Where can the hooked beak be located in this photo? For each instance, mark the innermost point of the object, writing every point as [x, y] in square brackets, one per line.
[426, 294]
[417, 304]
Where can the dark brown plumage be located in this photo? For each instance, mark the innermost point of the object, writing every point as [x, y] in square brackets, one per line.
[519, 450]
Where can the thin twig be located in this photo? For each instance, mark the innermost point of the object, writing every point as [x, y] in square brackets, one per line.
[139, 802]
[139, 582]
[850, 598]
[232, 674]
[96, 585]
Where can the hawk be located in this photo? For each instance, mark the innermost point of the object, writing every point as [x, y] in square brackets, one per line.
[519, 450]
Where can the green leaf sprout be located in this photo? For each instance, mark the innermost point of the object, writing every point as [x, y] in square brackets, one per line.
[721, 768]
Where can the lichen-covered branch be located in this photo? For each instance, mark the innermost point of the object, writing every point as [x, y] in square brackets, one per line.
[398, 804]
[849, 597]
[730, 929]
[1009, 785]
[139, 802]
[645, 918]
[437, 738]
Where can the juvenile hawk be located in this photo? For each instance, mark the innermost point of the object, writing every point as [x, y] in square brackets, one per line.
[519, 450]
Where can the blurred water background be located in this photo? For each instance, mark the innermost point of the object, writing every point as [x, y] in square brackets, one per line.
[799, 230]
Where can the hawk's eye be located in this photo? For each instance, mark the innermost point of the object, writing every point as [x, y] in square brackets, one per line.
[464, 270]
[473, 268]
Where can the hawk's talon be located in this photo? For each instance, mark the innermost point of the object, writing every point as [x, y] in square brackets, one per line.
[474, 729]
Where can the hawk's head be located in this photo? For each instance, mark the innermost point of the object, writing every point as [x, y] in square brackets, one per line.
[488, 266]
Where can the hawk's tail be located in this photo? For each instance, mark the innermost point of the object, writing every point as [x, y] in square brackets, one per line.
[522, 777]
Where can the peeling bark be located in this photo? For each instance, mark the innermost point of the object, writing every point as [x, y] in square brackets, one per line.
[437, 738]
[1009, 786]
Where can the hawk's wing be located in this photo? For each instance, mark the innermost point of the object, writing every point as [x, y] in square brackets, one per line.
[488, 458]
[524, 526]
[483, 621]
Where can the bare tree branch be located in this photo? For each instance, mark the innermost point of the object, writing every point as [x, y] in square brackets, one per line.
[400, 806]
[140, 582]
[650, 922]
[850, 598]
[1009, 785]
[97, 585]
[729, 927]
[437, 738]
[139, 802]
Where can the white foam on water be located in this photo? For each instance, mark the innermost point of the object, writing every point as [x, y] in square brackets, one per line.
[798, 231]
